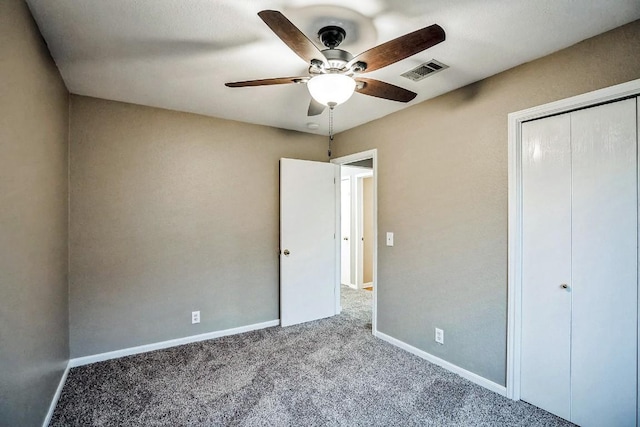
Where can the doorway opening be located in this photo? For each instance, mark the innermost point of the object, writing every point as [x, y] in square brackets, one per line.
[356, 248]
[358, 232]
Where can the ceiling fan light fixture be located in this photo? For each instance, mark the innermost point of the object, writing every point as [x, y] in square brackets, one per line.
[331, 89]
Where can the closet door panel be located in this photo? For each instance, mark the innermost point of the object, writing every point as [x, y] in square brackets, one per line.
[604, 265]
[546, 245]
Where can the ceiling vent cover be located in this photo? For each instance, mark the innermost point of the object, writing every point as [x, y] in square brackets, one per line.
[425, 70]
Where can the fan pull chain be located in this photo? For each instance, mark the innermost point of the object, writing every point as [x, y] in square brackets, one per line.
[330, 128]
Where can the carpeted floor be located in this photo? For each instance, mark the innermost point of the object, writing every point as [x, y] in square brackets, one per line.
[328, 372]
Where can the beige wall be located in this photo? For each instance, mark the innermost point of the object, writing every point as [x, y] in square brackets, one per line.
[442, 188]
[34, 346]
[170, 213]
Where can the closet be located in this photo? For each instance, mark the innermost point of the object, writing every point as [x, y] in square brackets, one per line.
[579, 336]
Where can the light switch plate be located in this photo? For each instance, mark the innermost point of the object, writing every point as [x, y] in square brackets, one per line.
[389, 238]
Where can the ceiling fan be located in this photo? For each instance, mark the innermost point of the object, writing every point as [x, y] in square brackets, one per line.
[334, 74]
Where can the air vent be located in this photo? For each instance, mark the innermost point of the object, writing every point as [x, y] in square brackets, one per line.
[427, 69]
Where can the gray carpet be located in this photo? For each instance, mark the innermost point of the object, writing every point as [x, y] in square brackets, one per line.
[330, 372]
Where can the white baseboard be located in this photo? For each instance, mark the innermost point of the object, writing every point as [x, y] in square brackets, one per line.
[367, 285]
[474, 378]
[79, 361]
[56, 397]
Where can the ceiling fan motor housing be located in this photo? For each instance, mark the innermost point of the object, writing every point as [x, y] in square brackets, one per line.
[337, 58]
[331, 36]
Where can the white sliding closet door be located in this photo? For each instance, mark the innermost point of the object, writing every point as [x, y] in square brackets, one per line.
[604, 265]
[546, 237]
[579, 308]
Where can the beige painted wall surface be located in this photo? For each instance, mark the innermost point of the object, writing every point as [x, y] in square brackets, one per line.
[170, 213]
[367, 230]
[442, 188]
[34, 345]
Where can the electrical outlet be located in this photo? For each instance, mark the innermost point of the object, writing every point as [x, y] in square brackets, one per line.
[195, 317]
[439, 336]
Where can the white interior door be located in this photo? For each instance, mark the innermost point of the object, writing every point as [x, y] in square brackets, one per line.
[546, 264]
[345, 225]
[579, 338]
[604, 265]
[308, 258]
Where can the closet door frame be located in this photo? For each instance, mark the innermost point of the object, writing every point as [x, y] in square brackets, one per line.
[514, 276]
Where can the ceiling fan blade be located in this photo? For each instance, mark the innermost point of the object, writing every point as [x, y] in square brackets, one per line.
[291, 35]
[398, 49]
[266, 82]
[315, 108]
[384, 90]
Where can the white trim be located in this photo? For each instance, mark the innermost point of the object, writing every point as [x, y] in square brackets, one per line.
[85, 360]
[369, 154]
[363, 155]
[514, 282]
[367, 285]
[474, 378]
[56, 396]
[608, 94]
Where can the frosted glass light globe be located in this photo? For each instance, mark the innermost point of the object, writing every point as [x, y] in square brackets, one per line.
[331, 89]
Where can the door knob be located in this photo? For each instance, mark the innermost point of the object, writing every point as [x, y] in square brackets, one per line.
[564, 286]
[286, 252]
[345, 238]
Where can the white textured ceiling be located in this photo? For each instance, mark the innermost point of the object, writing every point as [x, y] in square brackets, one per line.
[177, 54]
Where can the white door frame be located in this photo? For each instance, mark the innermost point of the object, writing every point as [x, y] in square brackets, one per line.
[364, 155]
[514, 282]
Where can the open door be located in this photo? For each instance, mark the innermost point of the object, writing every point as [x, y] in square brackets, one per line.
[308, 250]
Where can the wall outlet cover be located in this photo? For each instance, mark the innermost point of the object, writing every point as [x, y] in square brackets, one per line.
[195, 317]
